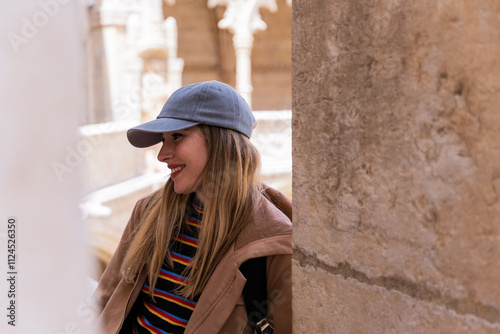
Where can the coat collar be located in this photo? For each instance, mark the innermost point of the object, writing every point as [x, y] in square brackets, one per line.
[269, 234]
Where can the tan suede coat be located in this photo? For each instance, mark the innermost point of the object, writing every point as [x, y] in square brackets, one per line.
[221, 308]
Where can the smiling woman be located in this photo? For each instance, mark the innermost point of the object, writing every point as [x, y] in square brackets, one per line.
[177, 267]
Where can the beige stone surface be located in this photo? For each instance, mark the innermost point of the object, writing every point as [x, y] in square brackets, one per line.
[341, 305]
[396, 147]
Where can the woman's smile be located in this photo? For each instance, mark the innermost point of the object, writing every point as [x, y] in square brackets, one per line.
[175, 170]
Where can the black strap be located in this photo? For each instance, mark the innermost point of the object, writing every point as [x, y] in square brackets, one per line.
[255, 290]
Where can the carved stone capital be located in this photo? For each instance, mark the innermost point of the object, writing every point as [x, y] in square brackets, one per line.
[242, 16]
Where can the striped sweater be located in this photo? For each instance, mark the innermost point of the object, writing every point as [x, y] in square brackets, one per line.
[168, 312]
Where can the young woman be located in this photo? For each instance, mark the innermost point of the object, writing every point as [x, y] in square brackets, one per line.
[177, 268]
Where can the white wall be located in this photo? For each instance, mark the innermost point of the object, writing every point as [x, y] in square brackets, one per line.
[42, 94]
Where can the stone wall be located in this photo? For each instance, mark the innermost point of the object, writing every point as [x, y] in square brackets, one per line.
[396, 173]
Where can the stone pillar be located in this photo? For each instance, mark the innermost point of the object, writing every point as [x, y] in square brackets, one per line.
[110, 19]
[152, 42]
[174, 65]
[242, 18]
[396, 166]
[162, 73]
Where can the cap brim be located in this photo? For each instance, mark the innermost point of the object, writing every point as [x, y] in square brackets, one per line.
[150, 133]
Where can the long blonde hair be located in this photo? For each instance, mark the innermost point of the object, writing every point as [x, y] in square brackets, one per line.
[233, 193]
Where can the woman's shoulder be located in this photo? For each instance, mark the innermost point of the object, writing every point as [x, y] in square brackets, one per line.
[271, 218]
[280, 200]
[269, 221]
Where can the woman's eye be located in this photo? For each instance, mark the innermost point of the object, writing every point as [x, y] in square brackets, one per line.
[176, 135]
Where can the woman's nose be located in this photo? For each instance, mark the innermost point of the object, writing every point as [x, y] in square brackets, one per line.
[165, 152]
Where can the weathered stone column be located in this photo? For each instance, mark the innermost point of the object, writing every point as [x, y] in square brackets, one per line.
[396, 170]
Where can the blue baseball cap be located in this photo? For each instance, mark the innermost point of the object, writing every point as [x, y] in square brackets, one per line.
[211, 102]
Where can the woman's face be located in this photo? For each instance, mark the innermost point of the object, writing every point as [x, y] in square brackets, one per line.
[186, 154]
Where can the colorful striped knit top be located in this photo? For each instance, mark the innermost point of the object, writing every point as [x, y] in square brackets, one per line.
[169, 312]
